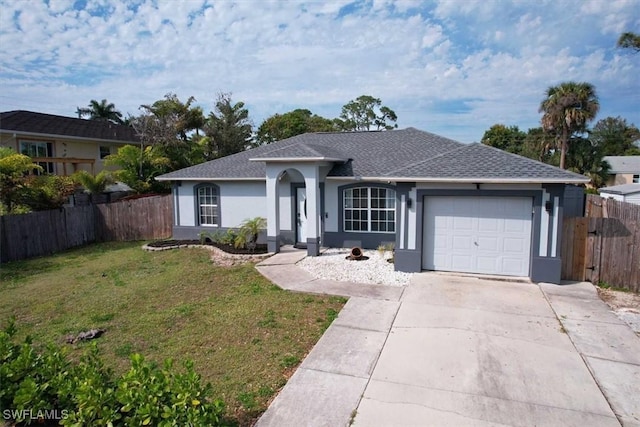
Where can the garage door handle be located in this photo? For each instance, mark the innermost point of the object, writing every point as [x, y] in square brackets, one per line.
[475, 243]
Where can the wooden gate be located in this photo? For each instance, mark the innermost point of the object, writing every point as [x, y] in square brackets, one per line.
[602, 250]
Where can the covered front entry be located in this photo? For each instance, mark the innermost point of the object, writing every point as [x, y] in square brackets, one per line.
[488, 235]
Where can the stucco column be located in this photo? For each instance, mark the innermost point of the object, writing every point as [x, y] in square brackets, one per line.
[312, 183]
[273, 209]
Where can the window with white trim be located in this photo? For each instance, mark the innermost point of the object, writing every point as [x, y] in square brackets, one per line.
[38, 149]
[369, 209]
[208, 204]
[636, 179]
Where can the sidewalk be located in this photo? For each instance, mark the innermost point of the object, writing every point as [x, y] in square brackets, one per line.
[327, 387]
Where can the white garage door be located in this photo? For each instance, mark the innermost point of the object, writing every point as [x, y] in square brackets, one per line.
[489, 235]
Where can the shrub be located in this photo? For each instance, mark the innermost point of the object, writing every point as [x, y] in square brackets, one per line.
[94, 184]
[86, 393]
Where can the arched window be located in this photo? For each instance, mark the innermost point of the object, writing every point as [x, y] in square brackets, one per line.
[369, 209]
[208, 204]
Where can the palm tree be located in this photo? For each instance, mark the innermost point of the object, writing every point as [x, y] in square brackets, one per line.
[94, 184]
[103, 110]
[567, 108]
[629, 40]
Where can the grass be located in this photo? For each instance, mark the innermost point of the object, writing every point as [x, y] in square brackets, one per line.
[244, 334]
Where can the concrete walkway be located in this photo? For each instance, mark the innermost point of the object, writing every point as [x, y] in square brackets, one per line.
[450, 350]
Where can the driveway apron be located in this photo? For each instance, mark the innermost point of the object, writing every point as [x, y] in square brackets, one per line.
[456, 351]
[467, 351]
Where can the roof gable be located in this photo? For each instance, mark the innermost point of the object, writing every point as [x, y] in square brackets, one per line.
[49, 124]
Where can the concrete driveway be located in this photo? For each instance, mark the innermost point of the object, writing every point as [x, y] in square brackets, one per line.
[463, 351]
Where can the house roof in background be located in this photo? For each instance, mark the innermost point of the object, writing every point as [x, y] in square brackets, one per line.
[398, 155]
[623, 164]
[31, 123]
[621, 189]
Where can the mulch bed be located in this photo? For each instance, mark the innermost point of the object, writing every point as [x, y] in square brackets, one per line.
[259, 249]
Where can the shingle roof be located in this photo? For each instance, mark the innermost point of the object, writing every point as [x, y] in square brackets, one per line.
[479, 161]
[407, 154]
[621, 189]
[623, 164]
[49, 124]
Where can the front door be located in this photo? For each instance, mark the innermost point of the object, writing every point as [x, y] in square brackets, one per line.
[301, 216]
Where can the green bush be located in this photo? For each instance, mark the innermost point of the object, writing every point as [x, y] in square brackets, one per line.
[87, 393]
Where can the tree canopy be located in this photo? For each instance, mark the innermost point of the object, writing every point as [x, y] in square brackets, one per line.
[567, 108]
[228, 129]
[365, 112]
[616, 137]
[103, 110]
[169, 123]
[505, 138]
[296, 122]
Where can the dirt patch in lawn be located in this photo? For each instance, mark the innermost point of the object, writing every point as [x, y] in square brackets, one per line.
[626, 305]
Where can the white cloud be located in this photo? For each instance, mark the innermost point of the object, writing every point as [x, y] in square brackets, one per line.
[454, 68]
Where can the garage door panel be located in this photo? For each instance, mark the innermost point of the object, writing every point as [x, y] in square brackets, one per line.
[486, 264]
[513, 266]
[477, 234]
[462, 224]
[488, 225]
[461, 262]
[514, 245]
[490, 243]
[461, 243]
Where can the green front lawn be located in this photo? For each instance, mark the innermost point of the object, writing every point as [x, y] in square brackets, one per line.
[245, 335]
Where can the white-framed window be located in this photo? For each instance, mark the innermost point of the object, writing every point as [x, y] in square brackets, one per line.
[208, 205]
[636, 179]
[369, 209]
[38, 149]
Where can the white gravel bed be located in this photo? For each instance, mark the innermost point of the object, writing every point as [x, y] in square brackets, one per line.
[332, 265]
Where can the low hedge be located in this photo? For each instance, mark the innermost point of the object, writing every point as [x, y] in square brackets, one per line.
[43, 386]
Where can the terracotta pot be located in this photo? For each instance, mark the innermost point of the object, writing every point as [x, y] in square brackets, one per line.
[356, 253]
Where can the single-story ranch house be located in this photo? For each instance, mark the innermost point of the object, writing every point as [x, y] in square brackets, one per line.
[445, 205]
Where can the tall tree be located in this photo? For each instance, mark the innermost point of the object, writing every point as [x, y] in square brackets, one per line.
[616, 137]
[539, 145]
[365, 112]
[228, 129]
[296, 122]
[171, 124]
[629, 40]
[103, 111]
[182, 115]
[585, 157]
[567, 108]
[510, 138]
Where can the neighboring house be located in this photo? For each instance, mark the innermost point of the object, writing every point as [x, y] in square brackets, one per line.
[629, 193]
[624, 169]
[445, 205]
[63, 145]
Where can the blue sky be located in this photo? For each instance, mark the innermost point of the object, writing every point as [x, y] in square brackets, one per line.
[451, 67]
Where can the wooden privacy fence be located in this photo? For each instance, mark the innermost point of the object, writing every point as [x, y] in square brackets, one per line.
[597, 207]
[603, 249]
[47, 232]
